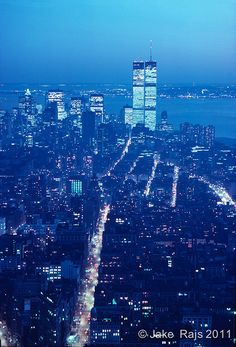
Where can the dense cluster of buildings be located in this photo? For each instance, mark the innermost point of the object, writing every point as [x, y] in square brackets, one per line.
[168, 244]
[164, 266]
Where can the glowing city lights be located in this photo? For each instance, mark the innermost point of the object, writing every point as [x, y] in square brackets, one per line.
[156, 159]
[125, 150]
[174, 186]
[85, 302]
[219, 191]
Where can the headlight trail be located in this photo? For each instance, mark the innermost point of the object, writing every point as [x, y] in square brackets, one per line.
[219, 191]
[85, 302]
[174, 186]
[125, 150]
[156, 159]
[132, 168]
[5, 336]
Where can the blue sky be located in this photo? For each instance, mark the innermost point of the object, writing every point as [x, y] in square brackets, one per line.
[82, 41]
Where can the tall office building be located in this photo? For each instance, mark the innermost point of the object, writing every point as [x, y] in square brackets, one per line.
[5, 126]
[96, 104]
[76, 109]
[150, 94]
[209, 136]
[164, 126]
[138, 92]
[144, 93]
[2, 225]
[88, 127]
[27, 108]
[127, 115]
[76, 186]
[58, 97]
[76, 105]
[50, 114]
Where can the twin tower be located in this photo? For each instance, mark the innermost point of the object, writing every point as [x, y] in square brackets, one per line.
[145, 93]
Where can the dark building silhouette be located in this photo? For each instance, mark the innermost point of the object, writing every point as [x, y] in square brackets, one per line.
[88, 127]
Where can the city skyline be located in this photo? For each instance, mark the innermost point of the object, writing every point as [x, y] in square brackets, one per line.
[117, 201]
[201, 50]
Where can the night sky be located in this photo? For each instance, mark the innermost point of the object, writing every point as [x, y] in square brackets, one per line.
[86, 41]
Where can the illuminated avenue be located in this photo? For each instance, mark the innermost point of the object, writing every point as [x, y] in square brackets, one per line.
[174, 186]
[220, 192]
[85, 302]
[80, 331]
[156, 159]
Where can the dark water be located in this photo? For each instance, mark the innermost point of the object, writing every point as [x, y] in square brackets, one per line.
[220, 112]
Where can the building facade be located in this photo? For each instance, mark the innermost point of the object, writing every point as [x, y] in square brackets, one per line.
[138, 92]
[96, 104]
[150, 100]
[144, 93]
[58, 97]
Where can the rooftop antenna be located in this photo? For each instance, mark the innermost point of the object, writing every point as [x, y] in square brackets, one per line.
[150, 50]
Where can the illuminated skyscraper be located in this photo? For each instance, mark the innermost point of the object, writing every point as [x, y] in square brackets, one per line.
[150, 94]
[76, 109]
[29, 140]
[209, 136]
[76, 106]
[138, 92]
[58, 97]
[5, 126]
[144, 93]
[27, 108]
[2, 225]
[76, 186]
[128, 115]
[96, 104]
